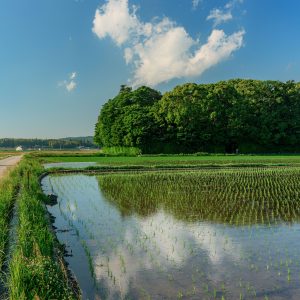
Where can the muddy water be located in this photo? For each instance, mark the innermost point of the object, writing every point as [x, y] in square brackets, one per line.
[160, 256]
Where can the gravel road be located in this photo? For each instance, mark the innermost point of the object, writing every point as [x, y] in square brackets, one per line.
[7, 163]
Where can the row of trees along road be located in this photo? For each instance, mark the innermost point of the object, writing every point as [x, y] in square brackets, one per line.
[249, 115]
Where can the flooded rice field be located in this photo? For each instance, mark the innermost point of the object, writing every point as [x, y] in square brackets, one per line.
[70, 165]
[200, 235]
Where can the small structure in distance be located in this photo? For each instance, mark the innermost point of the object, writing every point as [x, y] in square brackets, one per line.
[19, 148]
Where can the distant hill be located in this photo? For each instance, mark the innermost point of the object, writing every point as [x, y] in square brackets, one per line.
[62, 143]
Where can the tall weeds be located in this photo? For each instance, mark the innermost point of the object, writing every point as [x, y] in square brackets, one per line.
[8, 190]
[36, 270]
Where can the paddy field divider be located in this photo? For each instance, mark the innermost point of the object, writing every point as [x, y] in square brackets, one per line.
[36, 268]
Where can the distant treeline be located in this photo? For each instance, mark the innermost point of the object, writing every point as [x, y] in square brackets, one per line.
[248, 115]
[66, 143]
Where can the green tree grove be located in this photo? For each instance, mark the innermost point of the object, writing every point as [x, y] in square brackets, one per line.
[249, 115]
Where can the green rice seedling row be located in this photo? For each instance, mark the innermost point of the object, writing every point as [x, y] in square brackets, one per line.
[177, 160]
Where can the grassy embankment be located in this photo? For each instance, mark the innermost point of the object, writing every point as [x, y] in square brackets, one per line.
[8, 189]
[6, 154]
[36, 270]
[177, 161]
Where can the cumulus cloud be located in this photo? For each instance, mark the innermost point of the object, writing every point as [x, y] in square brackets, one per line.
[115, 20]
[160, 50]
[69, 84]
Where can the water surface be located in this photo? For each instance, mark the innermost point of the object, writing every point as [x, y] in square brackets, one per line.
[70, 165]
[158, 251]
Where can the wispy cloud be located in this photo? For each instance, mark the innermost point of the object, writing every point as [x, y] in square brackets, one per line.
[69, 84]
[289, 66]
[224, 15]
[219, 16]
[233, 3]
[73, 75]
[160, 50]
[195, 4]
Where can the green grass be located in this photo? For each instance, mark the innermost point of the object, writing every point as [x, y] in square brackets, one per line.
[6, 153]
[36, 270]
[3, 155]
[178, 160]
[121, 151]
[8, 189]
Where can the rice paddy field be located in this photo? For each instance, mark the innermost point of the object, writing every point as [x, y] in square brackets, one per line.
[204, 234]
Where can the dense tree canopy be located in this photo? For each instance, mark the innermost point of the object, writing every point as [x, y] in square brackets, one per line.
[128, 120]
[249, 115]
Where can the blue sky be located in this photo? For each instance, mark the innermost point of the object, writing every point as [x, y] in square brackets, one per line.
[60, 60]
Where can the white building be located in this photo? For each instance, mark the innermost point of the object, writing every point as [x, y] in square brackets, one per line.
[19, 148]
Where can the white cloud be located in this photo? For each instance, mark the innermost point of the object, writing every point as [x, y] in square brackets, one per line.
[161, 50]
[115, 20]
[233, 3]
[218, 47]
[219, 16]
[73, 75]
[128, 55]
[195, 3]
[69, 84]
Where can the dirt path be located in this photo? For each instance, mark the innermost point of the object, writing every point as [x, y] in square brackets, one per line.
[7, 163]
